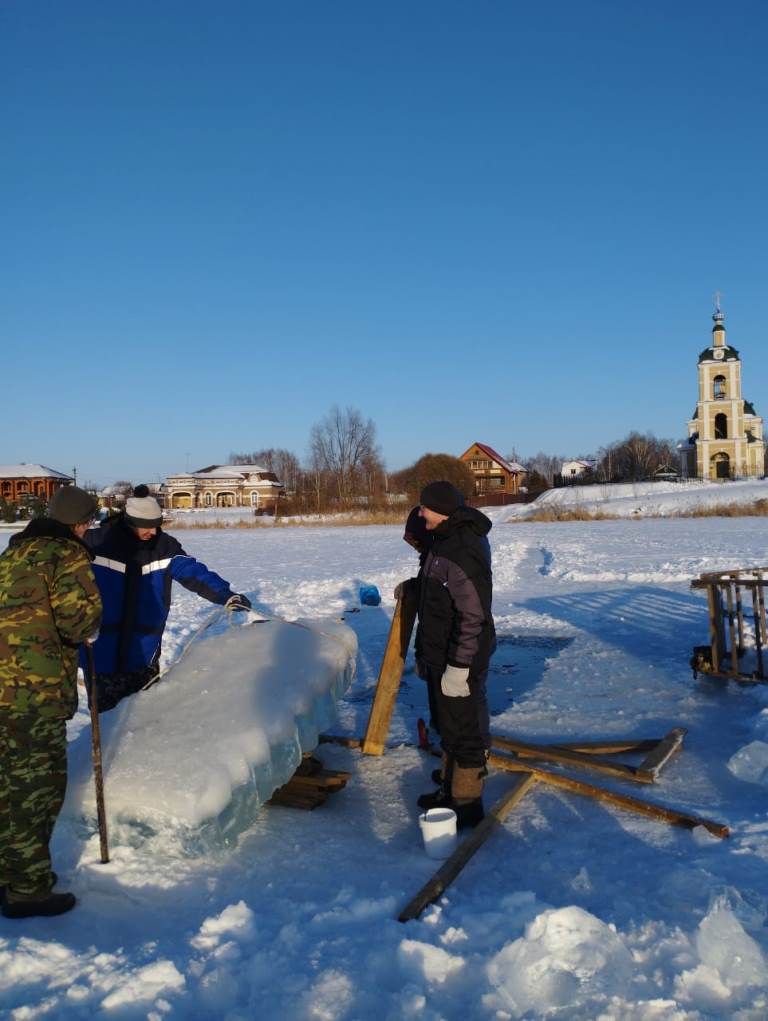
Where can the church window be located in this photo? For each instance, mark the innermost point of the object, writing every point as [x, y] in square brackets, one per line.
[721, 427]
[718, 387]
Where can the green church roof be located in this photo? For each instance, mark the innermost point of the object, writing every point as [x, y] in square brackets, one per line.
[749, 408]
[730, 354]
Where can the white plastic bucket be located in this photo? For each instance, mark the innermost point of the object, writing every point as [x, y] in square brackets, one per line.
[438, 828]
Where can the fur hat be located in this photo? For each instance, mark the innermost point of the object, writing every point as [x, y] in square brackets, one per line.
[71, 506]
[143, 510]
[441, 497]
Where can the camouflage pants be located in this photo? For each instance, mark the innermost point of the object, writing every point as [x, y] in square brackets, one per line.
[33, 780]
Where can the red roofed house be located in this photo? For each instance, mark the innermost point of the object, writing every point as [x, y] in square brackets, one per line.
[496, 478]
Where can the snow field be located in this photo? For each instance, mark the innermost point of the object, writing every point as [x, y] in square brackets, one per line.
[571, 910]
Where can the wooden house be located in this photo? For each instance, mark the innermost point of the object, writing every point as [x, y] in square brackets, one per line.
[496, 478]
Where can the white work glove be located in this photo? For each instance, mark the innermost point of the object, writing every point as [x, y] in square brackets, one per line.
[453, 683]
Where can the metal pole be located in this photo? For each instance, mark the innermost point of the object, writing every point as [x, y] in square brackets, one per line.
[98, 776]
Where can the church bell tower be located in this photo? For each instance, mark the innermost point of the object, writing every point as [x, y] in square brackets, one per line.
[725, 436]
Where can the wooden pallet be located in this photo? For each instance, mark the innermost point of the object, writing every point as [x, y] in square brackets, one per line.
[310, 786]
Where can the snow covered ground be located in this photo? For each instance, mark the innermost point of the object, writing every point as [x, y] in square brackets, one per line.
[631, 499]
[571, 910]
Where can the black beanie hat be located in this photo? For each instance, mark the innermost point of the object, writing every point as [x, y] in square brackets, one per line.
[441, 497]
[71, 506]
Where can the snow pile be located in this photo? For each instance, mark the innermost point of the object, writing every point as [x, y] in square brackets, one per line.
[222, 730]
[634, 499]
[566, 956]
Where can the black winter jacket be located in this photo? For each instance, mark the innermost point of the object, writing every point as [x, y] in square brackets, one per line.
[455, 592]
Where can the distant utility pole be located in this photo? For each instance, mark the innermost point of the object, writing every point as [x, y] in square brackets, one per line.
[74, 476]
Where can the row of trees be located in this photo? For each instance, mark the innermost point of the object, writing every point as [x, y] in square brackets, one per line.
[345, 469]
[344, 466]
[638, 456]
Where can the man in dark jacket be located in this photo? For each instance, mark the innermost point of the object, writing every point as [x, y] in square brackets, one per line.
[454, 643]
[49, 604]
[135, 564]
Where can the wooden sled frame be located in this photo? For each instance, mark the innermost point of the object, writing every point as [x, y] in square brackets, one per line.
[729, 596]
[589, 755]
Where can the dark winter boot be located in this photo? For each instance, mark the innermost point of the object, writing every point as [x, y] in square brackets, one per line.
[467, 795]
[18, 906]
[438, 775]
[441, 798]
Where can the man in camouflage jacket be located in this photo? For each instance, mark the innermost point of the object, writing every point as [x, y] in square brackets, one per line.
[49, 605]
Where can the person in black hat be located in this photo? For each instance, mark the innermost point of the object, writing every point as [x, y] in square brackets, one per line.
[455, 639]
[135, 564]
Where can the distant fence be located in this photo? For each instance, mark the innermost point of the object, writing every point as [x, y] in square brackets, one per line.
[500, 499]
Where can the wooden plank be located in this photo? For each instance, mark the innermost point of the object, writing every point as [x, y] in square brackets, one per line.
[669, 745]
[346, 742]
[652, 811]
[732, 629]
[761, 603]
[447, 872]
[549, 753]
[758, 633]
[714, 626]
[320, 782]
[609, 747]
[391, 672]
[286, 799]
[740, 618]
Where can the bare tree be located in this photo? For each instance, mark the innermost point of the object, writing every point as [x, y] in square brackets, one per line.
[275, 459]
[343, 445]
[637, 456]
[545, 465]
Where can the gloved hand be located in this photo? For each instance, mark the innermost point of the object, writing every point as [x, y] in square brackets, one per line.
[92, 639]
[238, 602]
[453, 683]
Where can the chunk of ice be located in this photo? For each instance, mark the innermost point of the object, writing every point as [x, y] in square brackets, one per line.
[750, 763]
[224, 728]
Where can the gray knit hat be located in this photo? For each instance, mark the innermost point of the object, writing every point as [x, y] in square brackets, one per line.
[72, 506]
[143, 512]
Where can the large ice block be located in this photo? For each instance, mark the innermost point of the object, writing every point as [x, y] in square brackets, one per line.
[224, 728]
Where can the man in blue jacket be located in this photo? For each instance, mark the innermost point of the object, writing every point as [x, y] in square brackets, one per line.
[135, 563]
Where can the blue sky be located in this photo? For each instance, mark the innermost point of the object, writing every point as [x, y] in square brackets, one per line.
[472, 221]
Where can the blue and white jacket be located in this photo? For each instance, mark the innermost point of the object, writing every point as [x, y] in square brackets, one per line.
[135, 579]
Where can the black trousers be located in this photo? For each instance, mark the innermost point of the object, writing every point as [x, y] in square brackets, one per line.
[113, 688]
[463, 723]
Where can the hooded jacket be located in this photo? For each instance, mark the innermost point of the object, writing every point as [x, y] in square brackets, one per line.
[455, 591]
[49, 604]
[135, 579]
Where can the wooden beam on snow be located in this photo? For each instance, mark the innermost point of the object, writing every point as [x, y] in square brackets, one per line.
[446, 874]
[615, 747]
[659, 756]
[551, 753]
[652, 811]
